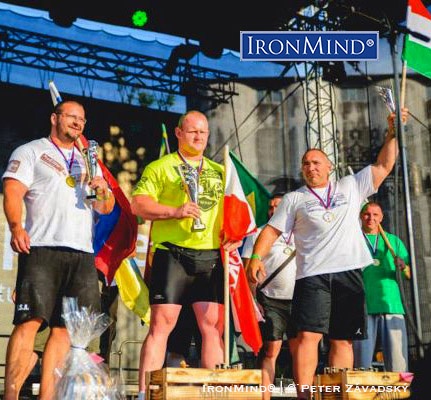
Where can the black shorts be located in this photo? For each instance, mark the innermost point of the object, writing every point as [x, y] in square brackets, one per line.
[332, 304]
[277, 314]
[48, 274]
[171, 284]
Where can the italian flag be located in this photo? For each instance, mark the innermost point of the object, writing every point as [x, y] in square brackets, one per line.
[417, 53]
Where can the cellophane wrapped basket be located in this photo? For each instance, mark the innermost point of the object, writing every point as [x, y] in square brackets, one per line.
[82, 378]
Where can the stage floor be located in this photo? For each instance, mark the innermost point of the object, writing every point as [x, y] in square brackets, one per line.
[132, 393]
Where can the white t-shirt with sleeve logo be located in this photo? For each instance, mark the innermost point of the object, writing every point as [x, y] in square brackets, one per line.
[327, 245]
[56, 214]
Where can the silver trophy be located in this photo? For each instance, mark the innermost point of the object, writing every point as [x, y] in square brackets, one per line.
[190, 178]
[90, 154]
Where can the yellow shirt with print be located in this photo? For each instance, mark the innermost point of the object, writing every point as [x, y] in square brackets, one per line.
[162, 181]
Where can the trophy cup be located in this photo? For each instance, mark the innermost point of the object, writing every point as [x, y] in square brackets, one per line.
[190, 178]
[90, 157]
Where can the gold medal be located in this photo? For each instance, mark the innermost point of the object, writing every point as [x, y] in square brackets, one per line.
[376, 262]
[70, 180]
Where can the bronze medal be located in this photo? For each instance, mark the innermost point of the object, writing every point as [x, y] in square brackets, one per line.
[70, 180]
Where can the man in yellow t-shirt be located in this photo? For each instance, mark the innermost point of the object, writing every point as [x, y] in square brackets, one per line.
[186, 236]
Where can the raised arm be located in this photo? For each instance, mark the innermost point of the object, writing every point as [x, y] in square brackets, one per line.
[388, 153]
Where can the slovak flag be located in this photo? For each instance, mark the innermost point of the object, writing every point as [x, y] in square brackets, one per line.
[238, 222]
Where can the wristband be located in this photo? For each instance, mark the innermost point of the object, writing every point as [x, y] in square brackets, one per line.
[255, 256]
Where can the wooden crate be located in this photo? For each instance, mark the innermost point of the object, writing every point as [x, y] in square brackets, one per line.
[360, 385]
[202, 383]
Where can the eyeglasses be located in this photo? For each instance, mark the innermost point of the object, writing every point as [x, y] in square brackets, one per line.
[81, 120]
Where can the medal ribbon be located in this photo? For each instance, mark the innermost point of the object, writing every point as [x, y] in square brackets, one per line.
[328, 197]
[372, 247]
[72, 157]
[288, 238]
[201, 163]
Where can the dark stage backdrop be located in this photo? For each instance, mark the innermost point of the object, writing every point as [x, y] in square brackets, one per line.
[134, 132]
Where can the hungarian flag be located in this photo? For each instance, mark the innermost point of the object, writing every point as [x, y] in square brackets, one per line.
[417, 52]
[238, 222]
[257, 195]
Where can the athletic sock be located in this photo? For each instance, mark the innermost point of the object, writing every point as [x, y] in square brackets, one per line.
[141, 396]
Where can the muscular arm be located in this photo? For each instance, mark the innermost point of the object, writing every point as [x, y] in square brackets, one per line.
[106, 204]
[388, 153]
[149, 209]
[263, 245]
[14, 192]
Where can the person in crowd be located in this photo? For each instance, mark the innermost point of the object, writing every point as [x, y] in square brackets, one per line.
[186, 235]
[55, 248]
[274, 295]
[329, 296]
[382, 294]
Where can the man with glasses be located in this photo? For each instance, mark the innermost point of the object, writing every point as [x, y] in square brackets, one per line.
[186, 268]
[55, 248]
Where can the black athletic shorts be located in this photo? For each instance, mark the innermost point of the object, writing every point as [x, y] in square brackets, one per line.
[171, 284]
[48, 274]
[332, 304]
[277, 314]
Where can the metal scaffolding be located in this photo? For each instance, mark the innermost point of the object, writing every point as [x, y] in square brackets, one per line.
[321, 129]
[92, 62]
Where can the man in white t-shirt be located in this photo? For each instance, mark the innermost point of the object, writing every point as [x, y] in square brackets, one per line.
[55, 248]
[329, 293]
[274, 295]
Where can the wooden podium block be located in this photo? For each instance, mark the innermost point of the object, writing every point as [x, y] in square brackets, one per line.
[202, 383]
[360, 385]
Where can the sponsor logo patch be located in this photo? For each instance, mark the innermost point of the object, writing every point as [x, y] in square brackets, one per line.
[13, 166]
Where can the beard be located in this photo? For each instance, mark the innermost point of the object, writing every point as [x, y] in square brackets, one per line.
[71, 136]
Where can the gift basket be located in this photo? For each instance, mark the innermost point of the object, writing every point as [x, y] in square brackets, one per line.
[82, 378]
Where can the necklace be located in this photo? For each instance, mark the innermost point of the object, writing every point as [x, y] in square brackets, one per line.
[328, 216]
[201, 162]
[373, 248]
[70, 180]
[198, 169]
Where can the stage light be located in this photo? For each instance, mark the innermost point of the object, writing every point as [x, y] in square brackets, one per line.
[139, 18]
[182, 52]
[333, 71]
[62, 14]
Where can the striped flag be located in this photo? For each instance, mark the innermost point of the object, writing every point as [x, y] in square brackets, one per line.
[256, 194]
[238, 222]
[417, 52]
[164, 146]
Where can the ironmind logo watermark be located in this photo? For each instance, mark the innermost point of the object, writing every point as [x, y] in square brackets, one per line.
[309, 46]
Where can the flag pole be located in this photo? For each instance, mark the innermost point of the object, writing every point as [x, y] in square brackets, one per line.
[403, 84]
[226, 280]
[406, 189]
